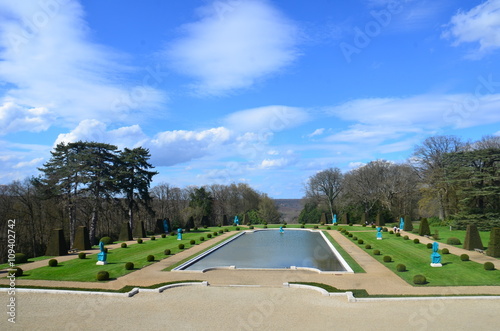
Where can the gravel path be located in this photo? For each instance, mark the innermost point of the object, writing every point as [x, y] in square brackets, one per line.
[244, 308]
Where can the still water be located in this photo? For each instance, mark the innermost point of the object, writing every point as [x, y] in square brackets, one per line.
[271, 249]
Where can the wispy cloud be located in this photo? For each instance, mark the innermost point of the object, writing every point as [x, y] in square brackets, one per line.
[480, 25]
[268, 118]
[49, 62]
[234, 44]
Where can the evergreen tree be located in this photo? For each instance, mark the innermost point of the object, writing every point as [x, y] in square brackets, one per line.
[134, 178]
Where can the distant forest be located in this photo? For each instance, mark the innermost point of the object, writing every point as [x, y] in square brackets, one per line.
[447, 180]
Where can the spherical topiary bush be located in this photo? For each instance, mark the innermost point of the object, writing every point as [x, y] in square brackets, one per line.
[202, 238]
[209, 236]
[20, 258]
[150, 258]
[163, 235]
[373, 226]
[238, 228]
[376, 252]
[406, 238]
[124, 245]
[181, 246]
[315, 226]
[195, 228]
[302, 226]
[129, 266]
[368, 246]
[385, 229]
[221, 231]
[354, 238]
[52, 263]
[391, 232]
[464, 257]
[106, 240]
[360, 241]
[387, 258]
[139, 241]
[419, 280]
[453, 241]
[445, 251]
[82, 255]
[102, 275]
[429, 245]
[153, 238]
[350, 235]
[401, 267]
[350, 224]
[416, 241]
[398, 234]
[265, 226]
[346, 232]
[215, 233]
[192, 242]
[328, 228]
[16, 271]
[251, 227]
[227, 230]
[364, 225]
[489, 266]
[167, 251]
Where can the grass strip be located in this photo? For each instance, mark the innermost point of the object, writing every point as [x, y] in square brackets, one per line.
[416, 258]
[350, 261]
[86, 269]
[175, 265]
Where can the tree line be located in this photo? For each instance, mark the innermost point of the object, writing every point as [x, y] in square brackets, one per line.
[455, 182]
[99, 186]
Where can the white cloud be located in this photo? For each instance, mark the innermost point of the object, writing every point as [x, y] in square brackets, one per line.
[233, 44]
[30, 163]
[480, 25]
[49, 62]
[266, 119]
[423, 112]
[317, 132]
[15, 118]
[173, 147]
[94, 130]
[275, 163]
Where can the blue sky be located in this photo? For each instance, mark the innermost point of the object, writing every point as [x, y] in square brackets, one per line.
[257, 91]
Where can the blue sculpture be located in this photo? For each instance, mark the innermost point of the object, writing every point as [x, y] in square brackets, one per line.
[179, 234]
[334, 219]
[379, 233]
[102, 255]
[402, 223]
[165, 226]
[281, 229]
[435, 257]
[236, 220]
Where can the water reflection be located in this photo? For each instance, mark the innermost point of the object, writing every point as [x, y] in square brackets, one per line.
[273, 250]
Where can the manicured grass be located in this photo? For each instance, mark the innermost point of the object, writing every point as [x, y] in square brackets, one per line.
[352, 263]
[30, 260]
[445, 233]
[86, 270]
[417, 259]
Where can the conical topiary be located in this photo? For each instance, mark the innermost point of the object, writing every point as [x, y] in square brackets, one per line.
[424, 229]
[408, 224]
[494, 244]
[472, 238]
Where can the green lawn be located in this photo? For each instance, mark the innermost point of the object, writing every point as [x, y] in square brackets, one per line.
[445, 233]
[350, 261]
[86, 269]
[416, 258]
